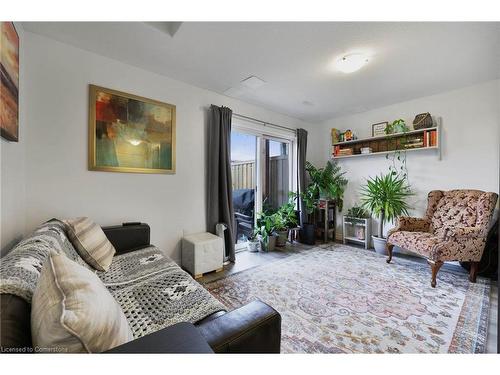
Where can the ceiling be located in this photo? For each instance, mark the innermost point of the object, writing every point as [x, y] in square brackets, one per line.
[408, 60]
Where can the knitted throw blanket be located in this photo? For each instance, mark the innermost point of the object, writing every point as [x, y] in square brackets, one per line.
[154, 292]
[20, 268]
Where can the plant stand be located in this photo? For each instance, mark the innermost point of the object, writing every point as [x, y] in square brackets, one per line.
[326, 221]
[352, 224]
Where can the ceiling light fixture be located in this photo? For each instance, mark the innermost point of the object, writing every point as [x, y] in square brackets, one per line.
[351, 62]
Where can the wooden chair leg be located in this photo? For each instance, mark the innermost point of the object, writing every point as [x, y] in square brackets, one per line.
[474, 267]
[435, 266]
[389, 247]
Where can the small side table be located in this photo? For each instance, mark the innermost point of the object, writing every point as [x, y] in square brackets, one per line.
[202, 253]
[349, 227]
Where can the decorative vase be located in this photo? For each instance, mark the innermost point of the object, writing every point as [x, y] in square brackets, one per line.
[379, 245]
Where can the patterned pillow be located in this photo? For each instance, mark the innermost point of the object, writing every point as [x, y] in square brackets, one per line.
[72, 311]
[90, 242]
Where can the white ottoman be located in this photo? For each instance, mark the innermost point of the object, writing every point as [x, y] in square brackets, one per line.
[201, 253]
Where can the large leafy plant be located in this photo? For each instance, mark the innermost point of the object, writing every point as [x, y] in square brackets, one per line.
[385, 196]
[286, 214]
[328, 182]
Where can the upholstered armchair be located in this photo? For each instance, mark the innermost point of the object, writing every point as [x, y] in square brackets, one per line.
[454, 228]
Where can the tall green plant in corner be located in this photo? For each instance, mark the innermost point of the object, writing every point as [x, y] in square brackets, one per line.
[328, 182]
[385, 197]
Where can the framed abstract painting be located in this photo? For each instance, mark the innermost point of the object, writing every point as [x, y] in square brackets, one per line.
[129, 133]
[9, 85]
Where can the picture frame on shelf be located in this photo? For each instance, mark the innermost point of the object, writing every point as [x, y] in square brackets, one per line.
[378, 129]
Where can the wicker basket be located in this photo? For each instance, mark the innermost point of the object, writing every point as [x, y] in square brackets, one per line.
[422, 121]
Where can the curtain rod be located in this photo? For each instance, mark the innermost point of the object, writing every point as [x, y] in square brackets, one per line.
[262, 122]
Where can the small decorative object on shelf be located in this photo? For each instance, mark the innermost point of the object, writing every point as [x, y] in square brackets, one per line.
[378, 129]
[422, 121]
[366, 150]
[335, 133]
[348, 135]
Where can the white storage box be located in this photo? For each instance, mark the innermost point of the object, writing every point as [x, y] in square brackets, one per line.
[202, 253]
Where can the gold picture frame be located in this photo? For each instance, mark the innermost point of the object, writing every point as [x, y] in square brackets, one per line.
[130, 133]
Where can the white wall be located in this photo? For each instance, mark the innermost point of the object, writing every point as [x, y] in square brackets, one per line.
[58, 183]
[12, 156]
[470, 143]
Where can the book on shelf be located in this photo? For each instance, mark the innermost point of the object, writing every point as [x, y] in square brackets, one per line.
[430, 138]
[345, 151]
[433, 138]
[414, 145]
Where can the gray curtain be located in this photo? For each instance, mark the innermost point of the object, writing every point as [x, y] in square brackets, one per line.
[219, 184]
[301, 170]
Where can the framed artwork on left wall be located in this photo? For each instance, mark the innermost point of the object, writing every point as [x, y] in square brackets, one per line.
[9, 82]
[130, 133]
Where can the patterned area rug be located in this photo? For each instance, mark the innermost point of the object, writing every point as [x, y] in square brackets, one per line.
[340, 299]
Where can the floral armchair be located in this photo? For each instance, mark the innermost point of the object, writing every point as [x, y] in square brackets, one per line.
[454, 228]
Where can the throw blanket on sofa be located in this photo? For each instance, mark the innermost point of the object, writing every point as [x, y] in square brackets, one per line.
[20, 268]
[154, 292]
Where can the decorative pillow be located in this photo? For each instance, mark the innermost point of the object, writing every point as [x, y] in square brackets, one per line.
[90, 242]
[72, 311]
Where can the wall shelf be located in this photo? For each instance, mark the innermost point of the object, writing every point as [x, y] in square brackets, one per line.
[384, 152]
[422, 139]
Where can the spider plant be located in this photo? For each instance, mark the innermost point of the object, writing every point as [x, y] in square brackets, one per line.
[385, 196]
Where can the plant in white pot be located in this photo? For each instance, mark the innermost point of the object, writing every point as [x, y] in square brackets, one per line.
[385, 197]
[265, 229]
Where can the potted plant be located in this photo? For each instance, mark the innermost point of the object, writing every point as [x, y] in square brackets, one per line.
[280, 229]
[357, 215]
[327, 183]
[385, 196]
[286, 218]
[264, 231]
[397, 126]
[253, 243]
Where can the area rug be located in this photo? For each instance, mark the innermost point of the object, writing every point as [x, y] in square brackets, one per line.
[341, 299]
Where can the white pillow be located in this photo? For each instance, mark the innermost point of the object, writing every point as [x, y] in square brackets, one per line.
[90, 241]
[72, 311]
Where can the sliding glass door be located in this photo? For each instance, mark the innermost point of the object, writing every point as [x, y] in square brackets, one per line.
[262, 171]
[244, 177]
[275, 173]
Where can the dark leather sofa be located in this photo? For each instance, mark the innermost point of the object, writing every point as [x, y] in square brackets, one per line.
[253, 328]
